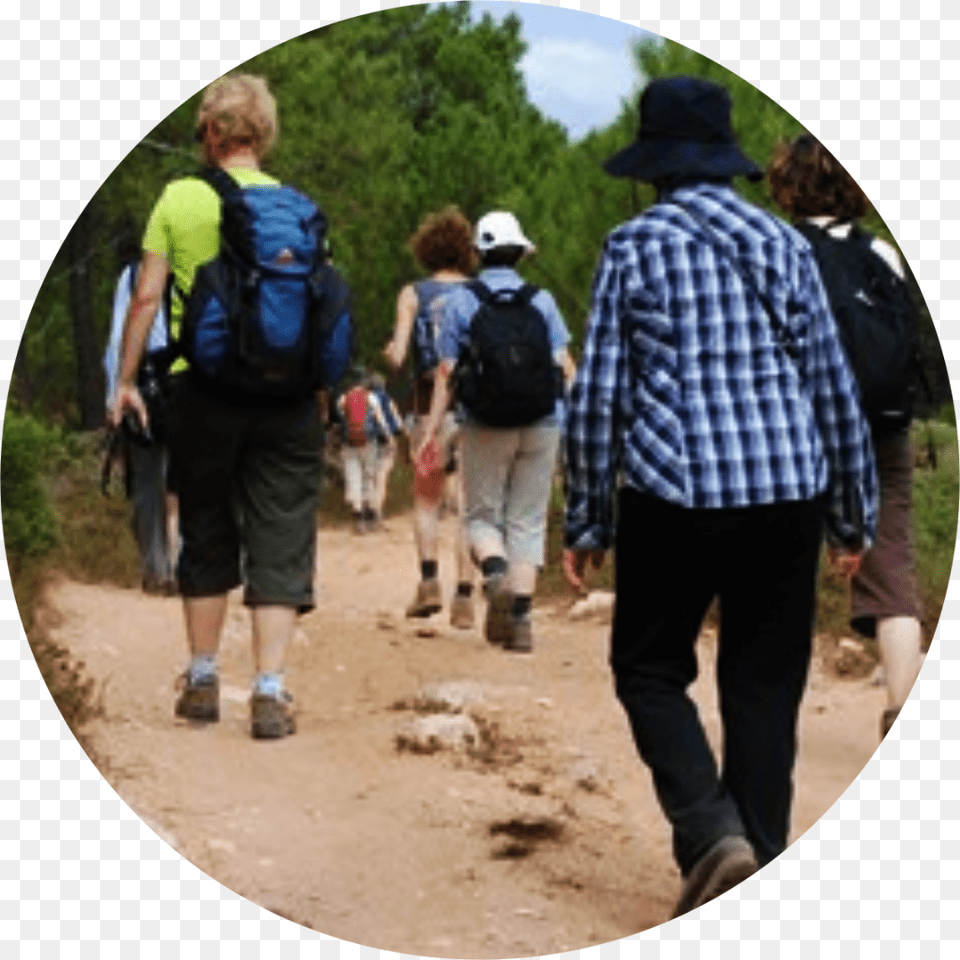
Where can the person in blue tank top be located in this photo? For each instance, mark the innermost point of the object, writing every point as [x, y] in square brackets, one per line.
[443, 245]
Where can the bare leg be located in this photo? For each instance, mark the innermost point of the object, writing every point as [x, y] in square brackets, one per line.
[425, 528]
[173, 531]
[465, 572]
[205, 617]
[899, 642]
[271, 713]
[272, 632]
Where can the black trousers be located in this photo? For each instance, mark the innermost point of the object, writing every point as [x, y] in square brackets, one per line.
[762, 563]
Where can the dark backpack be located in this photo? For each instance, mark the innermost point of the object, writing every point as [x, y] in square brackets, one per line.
[506, 376]
[876, 320]
[268, 316]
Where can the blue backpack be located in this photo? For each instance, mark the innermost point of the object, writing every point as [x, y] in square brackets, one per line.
[269, 316]
[425, 323]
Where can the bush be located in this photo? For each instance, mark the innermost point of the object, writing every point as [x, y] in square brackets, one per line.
[30, 450]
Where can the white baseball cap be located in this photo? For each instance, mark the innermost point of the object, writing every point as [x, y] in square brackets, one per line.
[500, 229]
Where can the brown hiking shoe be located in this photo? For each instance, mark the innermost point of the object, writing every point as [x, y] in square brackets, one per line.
[271, 717]
[428, 599]
[498, 627]
[462, 615]
[198, 701]
[725, 865]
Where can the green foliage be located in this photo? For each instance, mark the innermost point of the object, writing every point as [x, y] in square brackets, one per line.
[29, 451]
[936, 490]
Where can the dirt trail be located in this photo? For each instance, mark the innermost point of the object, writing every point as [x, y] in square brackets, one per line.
[547, 839]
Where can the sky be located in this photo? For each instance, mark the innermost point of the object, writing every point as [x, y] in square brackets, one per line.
[578, 66]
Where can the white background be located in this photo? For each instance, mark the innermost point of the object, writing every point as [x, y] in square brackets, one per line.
[82, 82]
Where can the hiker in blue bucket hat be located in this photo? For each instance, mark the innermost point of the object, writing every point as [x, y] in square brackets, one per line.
[716, 409]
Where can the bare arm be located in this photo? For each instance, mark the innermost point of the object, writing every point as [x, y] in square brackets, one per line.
[438, 404]
[396, 350]
[567, 365]
[151, 281]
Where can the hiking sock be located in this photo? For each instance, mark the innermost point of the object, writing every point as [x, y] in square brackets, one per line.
[428, 569]
[269, 685]
[521, 606]
[465, 589]
[493, 566]
[203, 668]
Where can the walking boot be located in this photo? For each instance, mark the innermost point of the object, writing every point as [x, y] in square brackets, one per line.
[461, 612]
[498, 626]
[428, 600]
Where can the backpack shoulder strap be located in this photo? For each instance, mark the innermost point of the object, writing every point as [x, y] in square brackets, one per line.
[220, 180]
[526, 293]
[480, 290]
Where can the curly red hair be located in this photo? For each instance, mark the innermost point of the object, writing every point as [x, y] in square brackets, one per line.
[444, 241]
[806, 180]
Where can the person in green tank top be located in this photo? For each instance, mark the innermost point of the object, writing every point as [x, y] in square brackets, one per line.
[248, 473]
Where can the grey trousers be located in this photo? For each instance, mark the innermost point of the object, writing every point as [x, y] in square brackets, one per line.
[149, 475]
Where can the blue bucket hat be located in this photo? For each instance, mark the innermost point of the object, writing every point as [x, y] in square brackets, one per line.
[684, 132]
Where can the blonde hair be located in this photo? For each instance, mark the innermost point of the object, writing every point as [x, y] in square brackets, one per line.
[243, 112]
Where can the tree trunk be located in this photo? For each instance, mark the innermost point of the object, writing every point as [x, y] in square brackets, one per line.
[80, 245]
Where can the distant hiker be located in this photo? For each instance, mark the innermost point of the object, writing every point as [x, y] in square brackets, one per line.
[364, 427]
[443, 245]
[507, 342]
[716, 406]
[386, 445]
[864, 279]
[150, 479]
[245, 425]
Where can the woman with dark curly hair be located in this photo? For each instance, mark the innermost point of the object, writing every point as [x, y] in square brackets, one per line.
[443, 245]
[822, 198]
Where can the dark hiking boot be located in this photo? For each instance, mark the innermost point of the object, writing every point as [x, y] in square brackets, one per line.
[198, 701]
[725, 865]
[428, 601]
[521, 636]
[498, 627]
[271, 717]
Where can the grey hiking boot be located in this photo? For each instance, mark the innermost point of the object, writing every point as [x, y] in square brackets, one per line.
[462, 614]
[271, 717]
[498, 627]
[725, 865]
[521, 638]
[428, 600]
[198, 701]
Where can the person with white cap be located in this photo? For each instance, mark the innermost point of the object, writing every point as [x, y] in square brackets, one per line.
[507, 342]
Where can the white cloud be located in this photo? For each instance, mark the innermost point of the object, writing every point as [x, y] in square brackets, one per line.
[577, 81]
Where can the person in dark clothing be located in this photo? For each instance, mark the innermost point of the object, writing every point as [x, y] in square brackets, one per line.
[714, 403]
[810, 185]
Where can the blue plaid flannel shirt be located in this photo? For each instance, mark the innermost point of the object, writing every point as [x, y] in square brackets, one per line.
[684, 391]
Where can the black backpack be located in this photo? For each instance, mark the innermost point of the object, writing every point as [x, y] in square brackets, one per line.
[269, 316]
[506, 376]
[876, 320]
